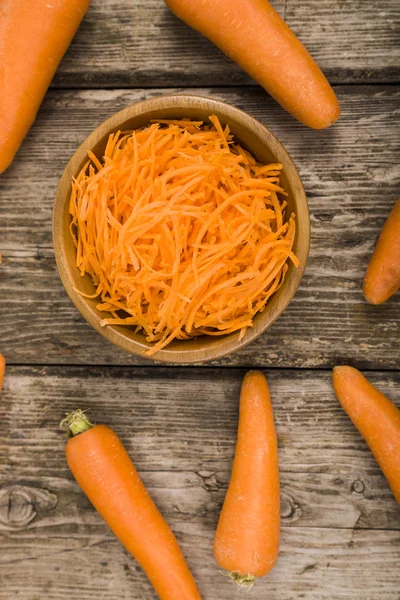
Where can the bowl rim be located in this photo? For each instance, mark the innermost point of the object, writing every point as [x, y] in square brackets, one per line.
[223, 345]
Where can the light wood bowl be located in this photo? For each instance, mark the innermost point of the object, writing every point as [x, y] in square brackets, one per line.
[253, 136]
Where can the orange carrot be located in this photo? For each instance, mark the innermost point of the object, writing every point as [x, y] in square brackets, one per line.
[2, 369]
[376, 418]
[247, 537]
[104, 471]
[181, 230]
[34, 35]
[252, 34]
[382, 278]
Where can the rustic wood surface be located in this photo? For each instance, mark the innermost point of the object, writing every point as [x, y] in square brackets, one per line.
[341, 526]
[340, 522]
[141, 43]
[351, 175]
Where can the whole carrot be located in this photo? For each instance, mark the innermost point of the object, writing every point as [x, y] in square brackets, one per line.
[252, 34]
[382, 278]
[376, 418]
[34, 35]
[247, 537]
[104, 471]
[2, 369]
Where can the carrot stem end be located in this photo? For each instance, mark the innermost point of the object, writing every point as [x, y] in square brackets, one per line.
[75, 423]
[246, 581]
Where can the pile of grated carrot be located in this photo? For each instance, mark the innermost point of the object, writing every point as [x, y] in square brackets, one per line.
[181, 230]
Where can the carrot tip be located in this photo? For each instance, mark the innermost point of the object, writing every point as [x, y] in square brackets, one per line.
[246, 581]
[371, 300]
[75, 423]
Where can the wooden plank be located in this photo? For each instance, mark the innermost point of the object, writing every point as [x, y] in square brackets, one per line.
[351, 175]
[135, 44]
[343, 37]
[182, 422]
[314, 564]
[341, 527]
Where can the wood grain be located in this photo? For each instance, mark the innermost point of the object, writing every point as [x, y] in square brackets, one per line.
[352, 177]
[136, 44]
[341, 525]
[185, 420]
[314, 564]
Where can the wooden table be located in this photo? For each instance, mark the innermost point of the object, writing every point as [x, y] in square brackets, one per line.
[340, 523]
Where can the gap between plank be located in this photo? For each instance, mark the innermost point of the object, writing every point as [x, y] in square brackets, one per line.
[164, 366]
[232, 86]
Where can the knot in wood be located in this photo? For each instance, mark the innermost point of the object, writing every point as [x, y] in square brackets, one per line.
[19, 505]
[358, 486]
[209, 478]
[290, 510]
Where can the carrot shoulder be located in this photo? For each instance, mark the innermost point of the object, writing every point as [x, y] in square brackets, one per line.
[376, 418]
[104, 471]
[252, 34]
[382, 278]
[34, 35]
[247, 537]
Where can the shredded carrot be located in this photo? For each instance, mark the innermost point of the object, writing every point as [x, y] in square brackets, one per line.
[181, 230]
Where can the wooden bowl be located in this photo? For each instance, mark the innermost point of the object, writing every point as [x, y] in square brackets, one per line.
[253, 136]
